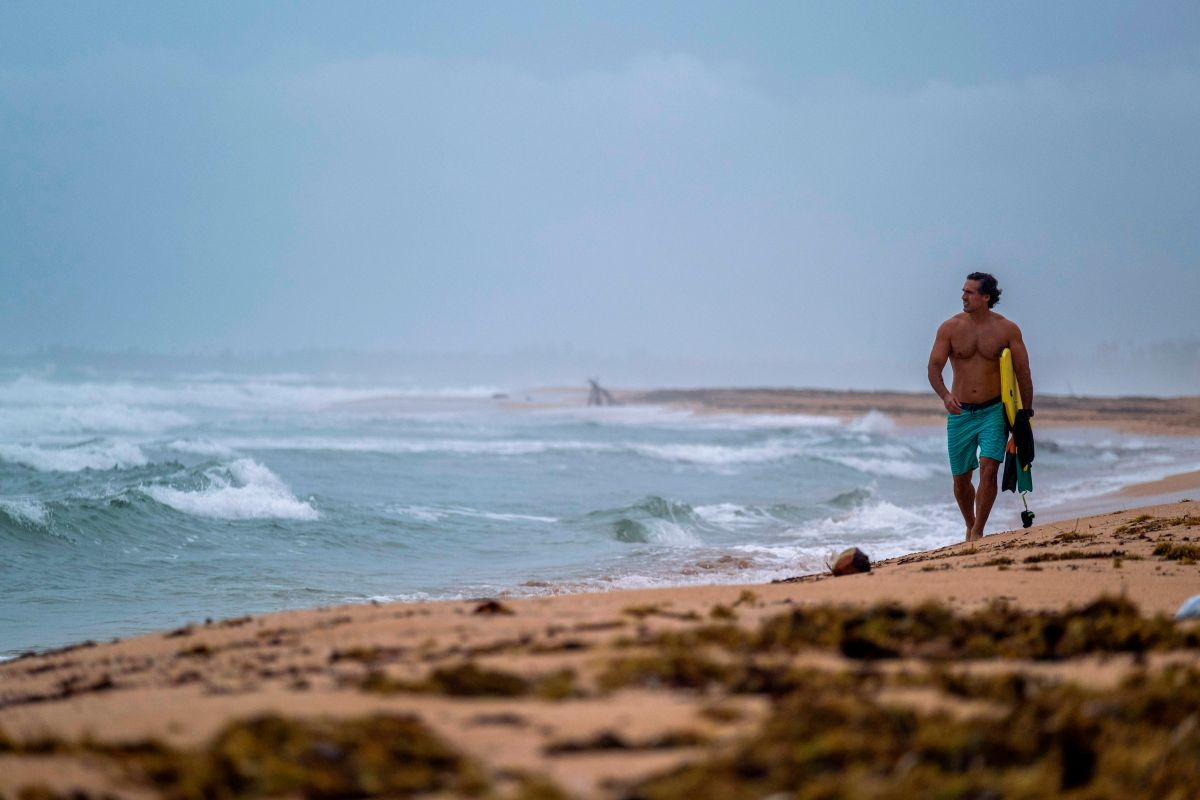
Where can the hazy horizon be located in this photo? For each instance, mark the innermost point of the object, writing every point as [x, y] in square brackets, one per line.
[701, 193]
[1161, 369]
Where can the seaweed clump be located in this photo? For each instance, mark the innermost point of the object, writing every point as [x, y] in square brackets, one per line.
[690, 660]
[891, 630]
[319, 758]
[676, 668]
[468, 679]
[1141, 525]
[1139, 740]
[1071, 555]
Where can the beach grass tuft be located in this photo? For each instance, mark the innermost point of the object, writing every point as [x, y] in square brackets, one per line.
[1177, 551]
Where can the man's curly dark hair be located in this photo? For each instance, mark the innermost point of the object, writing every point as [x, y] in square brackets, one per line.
[987, 285]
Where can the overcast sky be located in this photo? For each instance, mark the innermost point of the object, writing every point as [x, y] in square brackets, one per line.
[772, 182]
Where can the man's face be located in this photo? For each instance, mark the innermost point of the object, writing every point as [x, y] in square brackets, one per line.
[972, 299]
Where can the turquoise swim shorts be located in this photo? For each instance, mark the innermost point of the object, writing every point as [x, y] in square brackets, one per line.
[973, 433]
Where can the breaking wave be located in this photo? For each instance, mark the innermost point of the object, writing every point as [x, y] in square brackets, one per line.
[893, 529]
[652, 520]
[244, 489]
[96, 455]
[24, 511]
[200, 447]
[101, 418]
[873, 422]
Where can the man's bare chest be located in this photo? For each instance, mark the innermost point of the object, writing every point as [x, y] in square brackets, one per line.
[984, 344]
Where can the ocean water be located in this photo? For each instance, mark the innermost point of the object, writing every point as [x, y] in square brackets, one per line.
[135, 503]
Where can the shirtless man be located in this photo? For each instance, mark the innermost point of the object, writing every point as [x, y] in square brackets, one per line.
[972, 341]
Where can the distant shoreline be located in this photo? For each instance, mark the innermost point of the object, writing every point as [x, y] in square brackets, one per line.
[1174, 416]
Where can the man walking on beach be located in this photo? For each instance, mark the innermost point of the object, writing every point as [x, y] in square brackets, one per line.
[973, 341]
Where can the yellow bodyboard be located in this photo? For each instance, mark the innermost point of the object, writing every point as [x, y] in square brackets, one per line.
[1010, 393]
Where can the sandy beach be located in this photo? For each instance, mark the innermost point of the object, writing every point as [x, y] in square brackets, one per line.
[647, 693]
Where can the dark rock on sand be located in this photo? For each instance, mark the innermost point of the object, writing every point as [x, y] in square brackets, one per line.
[489, 606]
[851, 562]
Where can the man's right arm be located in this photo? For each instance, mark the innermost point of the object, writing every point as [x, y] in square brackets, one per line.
[938, 357]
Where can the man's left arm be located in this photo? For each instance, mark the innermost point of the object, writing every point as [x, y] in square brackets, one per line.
[1021, 367]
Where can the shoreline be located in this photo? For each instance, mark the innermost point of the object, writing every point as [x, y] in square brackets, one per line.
[1179, 487]
[539, 689]
[623, 693]
[1173, 416]
[1175, 488]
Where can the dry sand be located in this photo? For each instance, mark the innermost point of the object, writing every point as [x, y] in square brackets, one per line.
[69, 719]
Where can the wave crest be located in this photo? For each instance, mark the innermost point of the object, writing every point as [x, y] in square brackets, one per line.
[24, 511]
[653, 520]
[89, 455]
[874, 421]
[244, 489]
[887, 467]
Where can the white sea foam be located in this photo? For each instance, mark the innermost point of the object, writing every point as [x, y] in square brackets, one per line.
[25, 510]
[719, 455]
[436, 514]
[91, 455]
[503, 517]
[499, 447]
[702, 454]
[240, 393]
[101, 418]
[244, 489]
[760, 574]
[200, 447]
[878, 516]
[420, 513]
[873, 422]
[1057, 494]
[888, 528]
[885, 450]
[407, 597]
[664, 531]
[733, 516]
[886, 467]
[789, 553]
[725, 515]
